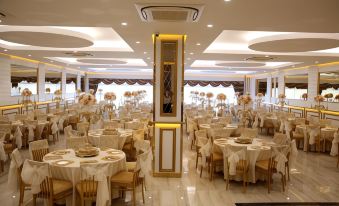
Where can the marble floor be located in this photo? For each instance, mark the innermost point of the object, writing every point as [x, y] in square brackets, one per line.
[315, 178]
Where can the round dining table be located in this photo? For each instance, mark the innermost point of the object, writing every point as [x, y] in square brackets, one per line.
[259, 149]
[65, 165]
[94, 136]
[209, 132]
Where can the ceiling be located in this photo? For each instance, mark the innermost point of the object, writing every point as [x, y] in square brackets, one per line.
[286, 31]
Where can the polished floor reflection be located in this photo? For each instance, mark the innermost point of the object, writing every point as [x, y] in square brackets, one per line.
[314, 179]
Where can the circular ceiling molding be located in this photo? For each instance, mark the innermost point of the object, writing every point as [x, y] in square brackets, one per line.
[293, 43]
[241, 64]
[44, 39]
[101, 61]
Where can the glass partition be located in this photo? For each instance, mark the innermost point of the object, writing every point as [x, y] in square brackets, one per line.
[329, 85]
[296, 86]
[23, 77]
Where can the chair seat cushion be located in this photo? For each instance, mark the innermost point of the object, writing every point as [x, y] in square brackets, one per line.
[131, 166]
[122, 178]
[217, 156]
[88, 186]
[262, 164]
[60, 186]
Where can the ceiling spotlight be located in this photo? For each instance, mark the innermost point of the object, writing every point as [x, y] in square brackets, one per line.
[52, 61]
[191, 53]
[209, 25]
[137, 42]
[188, 58]
[5, 50]
[267, 56]
[148, 57]
[145, 52]
[316, 62]
[29, 55]
[0, 20]
[198, 44]
[124, 23]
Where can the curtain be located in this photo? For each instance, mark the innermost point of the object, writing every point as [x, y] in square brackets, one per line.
[297, 85]
[16, 80]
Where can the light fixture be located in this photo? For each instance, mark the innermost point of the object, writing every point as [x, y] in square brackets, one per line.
[29, 55]
[52, 61]
[137, 42]
[209, 25]
[316, 62]
[188, 58]
[148, 57]
[267, 56]
[124, 23]
[5, 50]
[145, 52]
[227, 0]
[191, 53]
[0, 20]
[198, 44]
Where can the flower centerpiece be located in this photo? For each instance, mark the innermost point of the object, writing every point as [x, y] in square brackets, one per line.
[221, 98]
[202, 98]
[328, 96]
[48, 90]
[26, 96]
[244, 100]
[281, 98]
[209, 97]
[318, 99]
[87, 99]
[336, 98]
[57, 94]
[110, 96]
[304, 96]
[91, 91]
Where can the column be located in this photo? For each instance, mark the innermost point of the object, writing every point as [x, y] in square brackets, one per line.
[268, 89]
[168, 105]
[86, 79]
[63, 83]
[78, 81]
[281, 82]
[41, 82]
[313, 83]
[5, 79]
[274, 91]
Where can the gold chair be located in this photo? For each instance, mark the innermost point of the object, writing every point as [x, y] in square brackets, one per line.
[82, 128]
[87, 187]
[39, 149]
[201, 136]
[51, 189]
[127, 181]
[73, 121]
[269, 167]
[216, 159]
[241, 167]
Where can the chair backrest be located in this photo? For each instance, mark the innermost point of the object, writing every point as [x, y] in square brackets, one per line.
[280, 138]
[38, 175]
[220, 133]
[144, 163]
[277, 154]
[6, 128]
[20, 117]
[4, 119]
[111, 125]
[75, 143]
[109, 141]
[138, 134]
[324, 122]
[74, 119]
[249, 132]
[90, 175]
[204, 120]
[300, 121]
[38, 149]
[41, 117]
[201, 137]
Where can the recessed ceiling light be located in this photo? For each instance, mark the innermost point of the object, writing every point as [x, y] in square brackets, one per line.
[188, 58]
[0, 20]
[191, 53]
[227, 0]
[52, 61]
[137, 42]
[5, 50]
[148, 57]
[145, 52]
[198, 44]
[267, 56]
[209, 25]
[29, 55]
[316, 62]
[124, 23]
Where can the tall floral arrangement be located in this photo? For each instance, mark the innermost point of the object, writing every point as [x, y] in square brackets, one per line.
[281, 98]
[110, 96]
[304, 96]
[244, 100]
[209, 97]
[259, 99]
[26, 96]
[57, 94]
[87, 99]
[336, 98]
[318, 99]
[328, 96]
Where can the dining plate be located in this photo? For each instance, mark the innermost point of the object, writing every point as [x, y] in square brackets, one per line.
[88, 161]
[110, 158]
[114, 152]
[255, 147]
[52, 157]
[60, 152]
[63, 162]
[265, 147]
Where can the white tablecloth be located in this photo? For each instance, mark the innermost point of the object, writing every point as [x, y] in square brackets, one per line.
[259, 149]
[209, 131]
[71, 172]
[94, 136]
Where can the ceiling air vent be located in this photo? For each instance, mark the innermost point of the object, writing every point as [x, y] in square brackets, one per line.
[78, 54]
[259, 59]
[166, 12]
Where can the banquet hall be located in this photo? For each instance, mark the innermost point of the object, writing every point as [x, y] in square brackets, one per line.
[169, 103]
